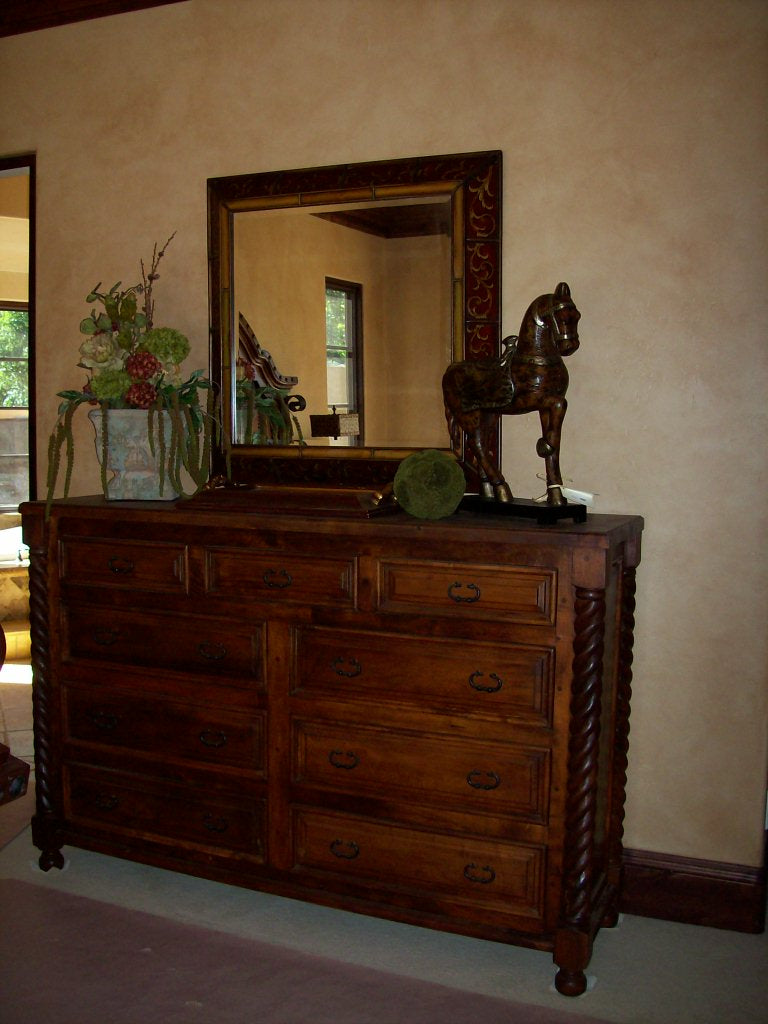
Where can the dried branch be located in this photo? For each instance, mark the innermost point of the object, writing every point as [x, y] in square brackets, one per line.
[148, 279]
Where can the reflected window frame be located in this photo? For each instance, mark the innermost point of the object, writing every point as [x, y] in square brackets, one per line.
[353, 299]
[25, 164]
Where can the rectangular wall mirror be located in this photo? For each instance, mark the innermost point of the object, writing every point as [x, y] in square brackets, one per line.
[338, 296]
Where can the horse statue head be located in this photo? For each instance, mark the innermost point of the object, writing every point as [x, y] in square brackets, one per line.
[530, 376]
[556, 313]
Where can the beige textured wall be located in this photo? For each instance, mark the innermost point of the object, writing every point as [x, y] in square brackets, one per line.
[635, 149]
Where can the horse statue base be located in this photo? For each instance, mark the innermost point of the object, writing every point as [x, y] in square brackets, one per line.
[544, 514]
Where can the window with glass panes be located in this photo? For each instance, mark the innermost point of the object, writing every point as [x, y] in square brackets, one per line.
[14, 404]
[343, 348]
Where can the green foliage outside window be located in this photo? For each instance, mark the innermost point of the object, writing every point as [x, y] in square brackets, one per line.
[336, 325]
[14, 355]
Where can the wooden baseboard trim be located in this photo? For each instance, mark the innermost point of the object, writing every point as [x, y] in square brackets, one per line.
[690, 891]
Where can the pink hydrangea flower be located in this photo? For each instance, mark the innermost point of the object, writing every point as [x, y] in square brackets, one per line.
[141, 394]
[143, 365]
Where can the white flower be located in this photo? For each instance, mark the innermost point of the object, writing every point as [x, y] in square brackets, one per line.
[100, 352]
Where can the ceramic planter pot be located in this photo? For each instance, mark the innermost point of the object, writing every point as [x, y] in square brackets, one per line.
[133, 463]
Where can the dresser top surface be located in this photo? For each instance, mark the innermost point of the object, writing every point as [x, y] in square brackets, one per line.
[599, 530]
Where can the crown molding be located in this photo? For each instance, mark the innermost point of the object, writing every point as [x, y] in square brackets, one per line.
[33, 15]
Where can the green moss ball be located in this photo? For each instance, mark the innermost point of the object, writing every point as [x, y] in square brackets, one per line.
[429, 484]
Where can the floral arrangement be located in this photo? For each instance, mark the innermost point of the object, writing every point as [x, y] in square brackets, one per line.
[264, 414]
[131, 364]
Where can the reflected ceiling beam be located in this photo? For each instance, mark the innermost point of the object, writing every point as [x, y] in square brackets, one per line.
[413, 221]
[31, 15]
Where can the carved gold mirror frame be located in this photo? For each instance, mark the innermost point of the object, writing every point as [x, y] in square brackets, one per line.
[472, 182]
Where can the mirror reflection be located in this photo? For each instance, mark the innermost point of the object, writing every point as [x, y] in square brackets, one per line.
[354, 301]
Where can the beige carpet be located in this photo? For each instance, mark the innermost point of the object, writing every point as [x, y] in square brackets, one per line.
[644, 971]
[89, 962]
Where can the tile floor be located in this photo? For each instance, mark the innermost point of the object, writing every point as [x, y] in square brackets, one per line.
[16, 733]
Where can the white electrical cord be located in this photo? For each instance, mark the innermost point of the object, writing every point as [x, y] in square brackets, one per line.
[581, 497]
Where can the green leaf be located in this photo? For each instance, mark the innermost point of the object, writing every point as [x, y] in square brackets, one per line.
[104, 322]
[128, 307]
[71, 400]
[88, 326]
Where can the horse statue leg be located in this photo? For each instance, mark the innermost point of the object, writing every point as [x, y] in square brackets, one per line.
[469, 422]
[492, 482]
[548, 447]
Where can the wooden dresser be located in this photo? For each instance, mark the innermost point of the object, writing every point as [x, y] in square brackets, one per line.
[425, 721]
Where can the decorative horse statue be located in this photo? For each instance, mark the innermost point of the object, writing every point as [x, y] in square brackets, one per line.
[529, 376]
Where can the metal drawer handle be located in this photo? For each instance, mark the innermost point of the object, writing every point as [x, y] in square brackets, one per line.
[345, 849]
[277, 579]
[102, 719]
[354, 670]
[120, 566]
[485, 876]
[105, 802]
[215, 824]
[457, 597]
[473, 778]
[498, 682]
[211, 650]
[347, 760]
[106, 637]
[213, 738]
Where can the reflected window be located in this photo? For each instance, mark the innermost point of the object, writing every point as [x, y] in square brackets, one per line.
[344, 350]
[14, 405]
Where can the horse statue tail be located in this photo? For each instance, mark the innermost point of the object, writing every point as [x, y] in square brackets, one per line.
[455, 432]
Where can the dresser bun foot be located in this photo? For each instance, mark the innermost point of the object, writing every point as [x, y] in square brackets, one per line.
[610, 918]
[570, 983]
[51, 859]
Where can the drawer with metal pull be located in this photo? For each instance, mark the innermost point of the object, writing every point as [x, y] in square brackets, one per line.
[491, 778]
[121, 802]
[211, 647]
[281, 577]
[125, 564]
[165, 729]
[484, 679]
[492, 592]
[499, 876]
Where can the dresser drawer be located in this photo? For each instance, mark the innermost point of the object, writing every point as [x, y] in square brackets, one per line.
[281, 577]
[514, 682]
[482, 778]
[502, 877]
[207, 646]
[131, 565]
[131, 803]
[460, 589]
[165, 729]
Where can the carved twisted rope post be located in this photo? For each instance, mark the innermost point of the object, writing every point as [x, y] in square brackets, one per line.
[45, 823]
[621, 735]
[573, 942]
